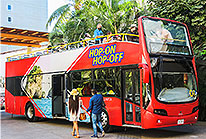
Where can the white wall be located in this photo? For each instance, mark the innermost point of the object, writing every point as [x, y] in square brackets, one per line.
[25, 14]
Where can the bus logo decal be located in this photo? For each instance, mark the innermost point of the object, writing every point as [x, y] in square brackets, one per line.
[101, 56]
[192, 93]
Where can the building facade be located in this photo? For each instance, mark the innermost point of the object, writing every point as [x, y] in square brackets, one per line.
[24, 14]
[21, 14]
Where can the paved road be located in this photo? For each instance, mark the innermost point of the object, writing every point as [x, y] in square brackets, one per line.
[19, 128]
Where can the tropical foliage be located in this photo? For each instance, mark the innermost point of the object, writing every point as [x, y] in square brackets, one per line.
[81, 16]
[114, 15]
[190, 12]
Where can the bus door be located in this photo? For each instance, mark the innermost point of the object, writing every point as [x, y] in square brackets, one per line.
[131, 97]
[58, 96]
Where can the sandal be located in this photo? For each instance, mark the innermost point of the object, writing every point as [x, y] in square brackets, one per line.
[77, 136]
[73, 134]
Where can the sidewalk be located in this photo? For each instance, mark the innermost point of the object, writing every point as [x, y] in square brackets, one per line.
[200, 123]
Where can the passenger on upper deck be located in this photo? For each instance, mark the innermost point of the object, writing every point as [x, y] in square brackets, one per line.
[133, 31]
[49, 48]
[87, 37]
[29, 49]
[97, 33]
[108, 38]
[158, 37]
[117, 37]
[165, 36]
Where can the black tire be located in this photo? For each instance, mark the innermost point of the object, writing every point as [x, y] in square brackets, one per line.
[30, 112]
[105, 121]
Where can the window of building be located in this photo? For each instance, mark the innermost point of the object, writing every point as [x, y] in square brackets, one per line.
[9, 7]
[9, 19]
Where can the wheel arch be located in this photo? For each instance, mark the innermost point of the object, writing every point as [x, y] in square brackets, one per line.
[28, 107]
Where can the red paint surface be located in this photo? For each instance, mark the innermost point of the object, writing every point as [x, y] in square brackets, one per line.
[113, 107]
[134, 116]
[9, 102]
[132, 55]
[16, 104]
[150, 120]
[19, 67]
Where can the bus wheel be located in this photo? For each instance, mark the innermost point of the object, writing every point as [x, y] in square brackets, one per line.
[30, 113]
[105, 121]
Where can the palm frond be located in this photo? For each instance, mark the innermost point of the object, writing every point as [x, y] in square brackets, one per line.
[59, 14]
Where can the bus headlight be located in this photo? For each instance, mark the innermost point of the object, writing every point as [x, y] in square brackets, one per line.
[195, 109]
[160, 112]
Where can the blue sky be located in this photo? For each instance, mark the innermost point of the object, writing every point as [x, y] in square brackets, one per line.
[52, 6]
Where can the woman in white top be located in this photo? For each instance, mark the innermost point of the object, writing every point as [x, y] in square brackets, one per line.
[74, 110]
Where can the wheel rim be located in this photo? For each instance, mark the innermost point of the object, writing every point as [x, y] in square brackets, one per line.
[104, 119]
[30, 112]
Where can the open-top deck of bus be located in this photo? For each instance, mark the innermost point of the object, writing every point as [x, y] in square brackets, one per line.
[148, 84]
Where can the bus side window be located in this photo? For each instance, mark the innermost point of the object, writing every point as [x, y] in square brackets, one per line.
[82, 81]
[104, 81]
[18, 89]
[87, 86]
[146, 94]
[117, 73]
[86, 78]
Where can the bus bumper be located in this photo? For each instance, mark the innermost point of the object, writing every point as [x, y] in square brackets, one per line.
[151, 120]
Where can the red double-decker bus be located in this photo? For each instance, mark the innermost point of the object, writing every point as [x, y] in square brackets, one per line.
[151, 83]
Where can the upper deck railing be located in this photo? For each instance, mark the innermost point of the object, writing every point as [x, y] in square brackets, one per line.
[69, 46]
[74, 45]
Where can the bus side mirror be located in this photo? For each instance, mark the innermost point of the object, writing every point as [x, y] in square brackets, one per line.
[145, 72]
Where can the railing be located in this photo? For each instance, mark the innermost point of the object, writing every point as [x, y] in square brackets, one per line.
[66, 47]
[71, 46]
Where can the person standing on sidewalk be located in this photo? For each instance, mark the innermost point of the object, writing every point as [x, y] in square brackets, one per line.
[74, 110]
[95, 105]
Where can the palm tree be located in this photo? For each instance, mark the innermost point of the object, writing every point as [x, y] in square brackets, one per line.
[80, 17]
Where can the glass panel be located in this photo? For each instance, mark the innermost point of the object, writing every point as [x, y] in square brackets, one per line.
[9, 7]
[9, 19]
[146, 94]
[129, 112]
[128, 86]
[131, 86]
[99, 74]
[76, 76]
[86, 89]
[166, 37]
[106, 87]
[175, 87]
[138, 114]
[86, 75]
[105, 81]
[104, 74]
[117, 81]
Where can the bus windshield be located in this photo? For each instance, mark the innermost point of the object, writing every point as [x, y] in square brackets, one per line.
[166, 37]
[175, 87]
